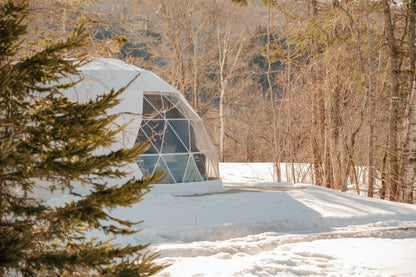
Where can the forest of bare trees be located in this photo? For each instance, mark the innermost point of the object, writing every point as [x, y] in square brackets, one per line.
[327, 84]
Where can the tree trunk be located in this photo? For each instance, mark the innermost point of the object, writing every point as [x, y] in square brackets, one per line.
[383, 189]
[328, 177]
[222, 124]
[355, 178]
[394, 103]
[411, 43]
[272, 101]
[318, 124]
[316, 152]
[225, 52]
[222, 54]
[334, 127]
[409, 153]
[314, 5]
[195, 77]
[370, 180]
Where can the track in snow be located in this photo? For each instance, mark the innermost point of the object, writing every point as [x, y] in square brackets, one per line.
[354, 251]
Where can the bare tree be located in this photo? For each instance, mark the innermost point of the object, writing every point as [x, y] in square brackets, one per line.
[231, 32]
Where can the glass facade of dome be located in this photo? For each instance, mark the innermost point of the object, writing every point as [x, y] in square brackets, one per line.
[179, 143]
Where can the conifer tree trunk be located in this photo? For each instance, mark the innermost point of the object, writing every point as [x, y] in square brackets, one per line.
[334, 136]
[318, 124]
[393, 152]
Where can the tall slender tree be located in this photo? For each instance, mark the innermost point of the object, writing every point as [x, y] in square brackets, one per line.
[393, 142]
[231, 41]
[409, 152]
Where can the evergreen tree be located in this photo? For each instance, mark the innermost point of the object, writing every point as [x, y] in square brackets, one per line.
[44, 137]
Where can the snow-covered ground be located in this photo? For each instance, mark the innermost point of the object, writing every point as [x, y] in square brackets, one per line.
[277, 229]
[281, 230]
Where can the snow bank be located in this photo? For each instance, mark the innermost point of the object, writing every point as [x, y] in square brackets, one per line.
[221, 216]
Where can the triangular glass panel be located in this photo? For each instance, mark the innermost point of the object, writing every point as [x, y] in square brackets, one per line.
[198, 142]
[200, 160]
[182, 107]
[155, 100]
[172, 143]
[161, 166]
[181, 128]
[142, 137]
[194, 139]
[147, 163]
[211, 165]
[171, 109]
[177, 165]
[154, 129]
[149, 111]
[192, 173]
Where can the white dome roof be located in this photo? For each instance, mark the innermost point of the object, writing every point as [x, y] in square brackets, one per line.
[101, 75]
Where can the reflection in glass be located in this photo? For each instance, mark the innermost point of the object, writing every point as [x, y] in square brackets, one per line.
[181, 128]
[171, 109]
[147, 164]
[149, 111]
[155, 100]
[161, 166]
[142, 137]
[185, 110]
[155, 130]
[172, 143]
[200, 163]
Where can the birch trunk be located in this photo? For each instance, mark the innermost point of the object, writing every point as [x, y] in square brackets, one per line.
[272, 101]
[228, 45]
[222, 51]
[222, 122]
[409, 154]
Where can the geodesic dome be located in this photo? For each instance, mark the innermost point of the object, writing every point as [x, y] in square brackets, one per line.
[155, 111]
